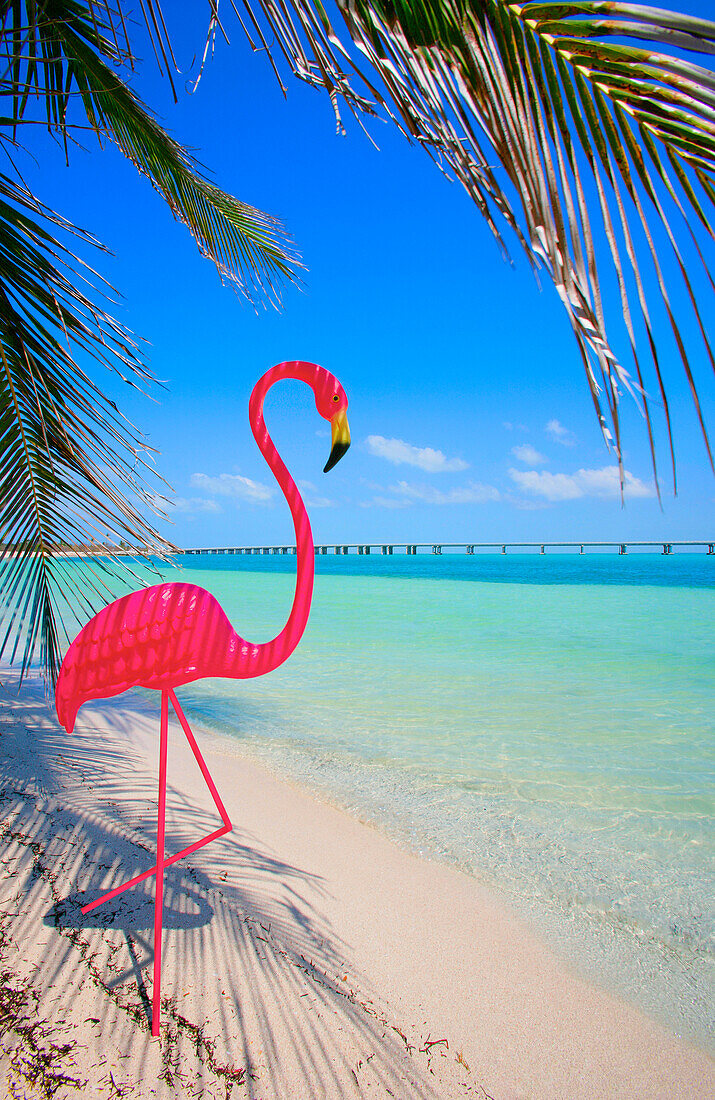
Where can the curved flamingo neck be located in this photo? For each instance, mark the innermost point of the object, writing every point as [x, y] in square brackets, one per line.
[269, 655]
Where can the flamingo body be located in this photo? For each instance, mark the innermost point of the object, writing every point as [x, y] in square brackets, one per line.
[160, 637]
[170, 634]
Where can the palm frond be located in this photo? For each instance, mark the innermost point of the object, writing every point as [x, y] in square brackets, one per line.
[70, 464]
[66, 53]
[605, 146]
[71, 467]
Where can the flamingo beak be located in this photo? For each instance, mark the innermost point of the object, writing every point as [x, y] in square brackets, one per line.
[341, 439]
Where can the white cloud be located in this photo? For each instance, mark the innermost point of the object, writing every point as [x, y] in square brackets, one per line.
[472, 493]
[311, 496]
[404, 494]
[528, 454]
[192, 505]
[385, 502]
[233, 485]
[560, 434]
[405, 454]
[603, 483]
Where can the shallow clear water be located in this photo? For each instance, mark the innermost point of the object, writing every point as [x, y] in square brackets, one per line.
[545, 723]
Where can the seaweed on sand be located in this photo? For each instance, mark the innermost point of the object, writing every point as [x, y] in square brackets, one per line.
[34, 1054]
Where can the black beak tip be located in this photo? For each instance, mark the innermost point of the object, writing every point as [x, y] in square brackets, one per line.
[335, 455]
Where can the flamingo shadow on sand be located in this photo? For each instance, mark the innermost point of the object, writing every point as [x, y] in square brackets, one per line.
[172, 634]
[184, 908]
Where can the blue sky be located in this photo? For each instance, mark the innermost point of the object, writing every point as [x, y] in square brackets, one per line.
[470, 416]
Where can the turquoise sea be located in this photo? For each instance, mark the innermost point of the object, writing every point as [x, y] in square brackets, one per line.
[545, 723]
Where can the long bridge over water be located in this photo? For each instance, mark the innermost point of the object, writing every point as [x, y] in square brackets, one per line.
[464, 547]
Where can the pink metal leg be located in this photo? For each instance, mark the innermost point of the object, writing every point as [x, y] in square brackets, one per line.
[159, 899]
[161, 861]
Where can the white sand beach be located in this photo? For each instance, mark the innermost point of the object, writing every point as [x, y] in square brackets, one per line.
[305, 955]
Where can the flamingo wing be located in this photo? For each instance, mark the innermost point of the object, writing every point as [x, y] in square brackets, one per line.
[159, 637]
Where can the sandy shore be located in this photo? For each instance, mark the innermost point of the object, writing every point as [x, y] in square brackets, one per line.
[305, 955]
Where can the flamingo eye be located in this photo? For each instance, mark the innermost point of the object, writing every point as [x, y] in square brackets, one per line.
[335, 397]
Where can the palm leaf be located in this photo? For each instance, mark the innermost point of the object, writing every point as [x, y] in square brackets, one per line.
[71, 467]
[70, 464]
[605, 142]
[65, 51]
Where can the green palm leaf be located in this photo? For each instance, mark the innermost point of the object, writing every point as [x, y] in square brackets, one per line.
[604, 141]
[70, 464]
[63, 52]
[71, 467]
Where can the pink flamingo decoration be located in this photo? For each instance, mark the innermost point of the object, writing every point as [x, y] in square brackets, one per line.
[172, 634]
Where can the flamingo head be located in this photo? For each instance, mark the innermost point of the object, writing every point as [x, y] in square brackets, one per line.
[332, 404]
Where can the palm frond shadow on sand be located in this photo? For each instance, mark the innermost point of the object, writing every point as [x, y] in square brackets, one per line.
[258, 985]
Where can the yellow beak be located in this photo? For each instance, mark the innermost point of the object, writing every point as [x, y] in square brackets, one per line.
[341, 439]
